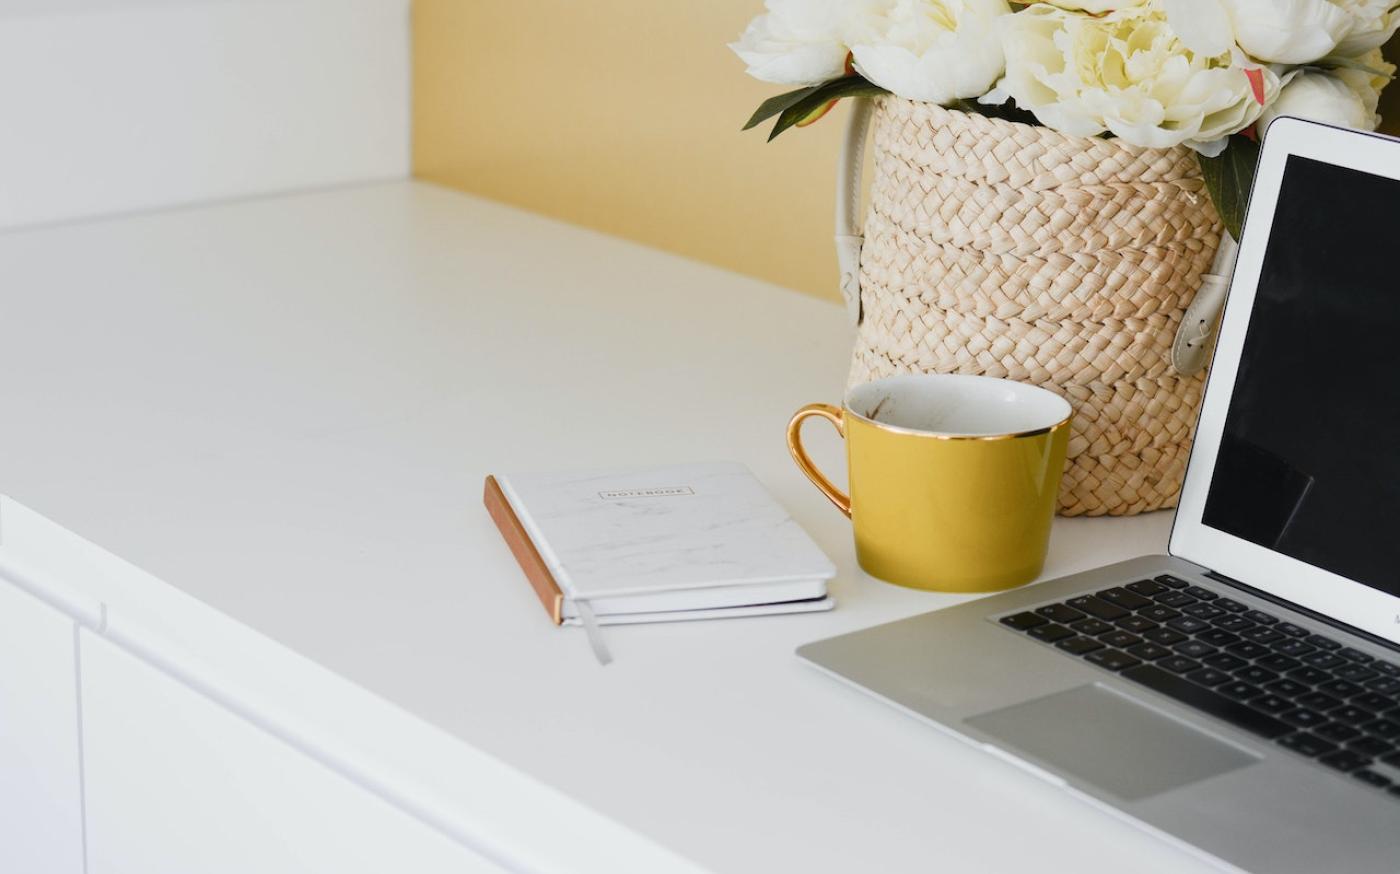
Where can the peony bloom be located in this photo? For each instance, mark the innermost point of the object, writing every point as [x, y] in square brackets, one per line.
[1345, 97]
[1318, 97]
[799, 42]
[932, 50]
[1126, 72]
[1283, 31]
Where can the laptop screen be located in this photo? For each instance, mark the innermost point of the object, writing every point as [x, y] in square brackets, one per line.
[1309, 460]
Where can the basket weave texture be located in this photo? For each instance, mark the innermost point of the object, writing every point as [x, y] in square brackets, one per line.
[1015, 251]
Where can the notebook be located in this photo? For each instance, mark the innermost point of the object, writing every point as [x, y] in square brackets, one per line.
[658, 544]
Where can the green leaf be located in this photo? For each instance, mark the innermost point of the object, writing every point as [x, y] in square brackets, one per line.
[1007, 111]
[1229, 177]
[846, 86]
[774, 105]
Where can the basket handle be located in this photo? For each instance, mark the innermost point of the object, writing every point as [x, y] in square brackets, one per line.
[1190, 348]
[848, 231]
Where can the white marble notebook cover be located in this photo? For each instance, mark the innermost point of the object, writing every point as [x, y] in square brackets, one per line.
[635, 531]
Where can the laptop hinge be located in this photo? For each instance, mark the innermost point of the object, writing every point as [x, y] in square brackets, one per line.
[1298, 608]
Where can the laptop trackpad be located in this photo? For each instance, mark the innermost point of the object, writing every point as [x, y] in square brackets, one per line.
[1106, 738]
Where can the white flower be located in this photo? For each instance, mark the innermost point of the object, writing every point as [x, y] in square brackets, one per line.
[1283, 31]
[1318, 97]
[799, 42]
[931, 50]
[1127, 72]
[1367, 83]
[1345, 97]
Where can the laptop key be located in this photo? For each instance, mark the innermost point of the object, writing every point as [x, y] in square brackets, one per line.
[1079, 645]
[1208, 677]
[1225, 662]
[1123, 598]
[1385, 685]
[1216, 637]
[1292, 630]
[1164, 636]
[1340, 688]
[1112, 659]
[1393, 760]
[1388, 729]
[1303, 717]
[1277, 663]
[1292, 647]
[1148, 652]
[1235, 624]
[1260, 616]
[1287, 688]
[1158, 613]
[1206, 700]
[1023, 621]
[1305, 744]
[1059, 613]
[1371, 777]
[1345, 760]
[1120, 639]
[1337, 731]
[1171, 582]
[1146, 587]
[1311, 676]
[1255, 674]
[1136, 624]
[1319, 701]
[1351, 714]
[1355, 673]
[1355, 655]
[1321, 642]
[1202, 594]
[1194, 648]
[1238, 690]
[1390, 670]
[1370, 746]
[1372, 701]
[1248, 649]
[1174, 599]
[1271, 703]
[1178, 664]
[1186, 624]
[1203, 611]
[1098, 607]
[1050, 632]
[1261, 634]
[1323, 660]
[1092, 627]
[1230, 606]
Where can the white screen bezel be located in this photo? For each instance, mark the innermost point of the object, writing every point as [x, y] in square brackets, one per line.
[1338, 597]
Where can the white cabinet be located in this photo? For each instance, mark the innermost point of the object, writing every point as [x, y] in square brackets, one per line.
[178, 784]
[41, 827]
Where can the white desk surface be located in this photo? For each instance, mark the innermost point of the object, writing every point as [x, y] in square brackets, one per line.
[286, 407]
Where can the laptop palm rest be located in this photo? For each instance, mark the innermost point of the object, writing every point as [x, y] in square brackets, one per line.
[1105, 738]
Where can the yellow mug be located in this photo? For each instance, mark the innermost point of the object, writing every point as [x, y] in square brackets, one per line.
[953, 478]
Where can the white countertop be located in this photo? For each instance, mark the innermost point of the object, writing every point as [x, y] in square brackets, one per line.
[286, 407]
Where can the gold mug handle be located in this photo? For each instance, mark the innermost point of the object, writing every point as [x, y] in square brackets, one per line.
[836, 416]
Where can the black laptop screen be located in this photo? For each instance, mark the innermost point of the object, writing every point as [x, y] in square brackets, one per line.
[1309, 462]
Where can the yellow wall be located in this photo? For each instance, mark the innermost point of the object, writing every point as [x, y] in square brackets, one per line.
[624, 115]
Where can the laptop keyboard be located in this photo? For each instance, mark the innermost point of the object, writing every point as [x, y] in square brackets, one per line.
[1306, 692]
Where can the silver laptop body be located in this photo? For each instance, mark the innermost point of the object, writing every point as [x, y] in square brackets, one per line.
[1236, 696]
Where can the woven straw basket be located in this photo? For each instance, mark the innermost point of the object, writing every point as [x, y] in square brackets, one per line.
[1009, 250]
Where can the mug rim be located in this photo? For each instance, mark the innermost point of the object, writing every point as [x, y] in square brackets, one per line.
[941, 435]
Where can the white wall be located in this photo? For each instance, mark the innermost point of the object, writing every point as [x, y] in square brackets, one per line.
[110, 106]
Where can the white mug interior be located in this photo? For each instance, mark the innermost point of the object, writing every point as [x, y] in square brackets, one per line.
[957, 405]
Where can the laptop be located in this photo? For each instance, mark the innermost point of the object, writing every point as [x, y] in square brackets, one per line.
[1240, 696]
